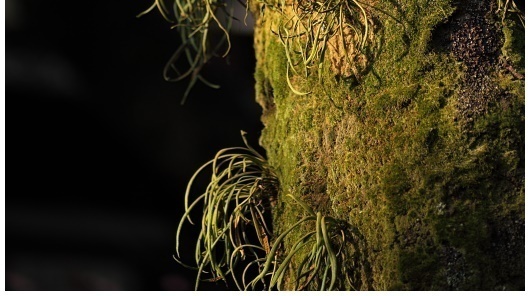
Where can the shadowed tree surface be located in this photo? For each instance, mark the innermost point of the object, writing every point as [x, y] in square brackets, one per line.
[413, 138]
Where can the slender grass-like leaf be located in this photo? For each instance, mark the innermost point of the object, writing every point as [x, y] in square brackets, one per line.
[193, 19]
[233, 204]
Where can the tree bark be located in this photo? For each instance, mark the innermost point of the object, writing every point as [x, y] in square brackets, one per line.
[420, 152]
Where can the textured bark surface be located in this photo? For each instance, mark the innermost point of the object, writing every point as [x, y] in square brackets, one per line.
[422, 157]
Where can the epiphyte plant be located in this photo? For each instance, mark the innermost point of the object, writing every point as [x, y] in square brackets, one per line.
[318, 266]
[234, 228]
[307, 30]
[235, 231]
[311, 28]
[193, 19]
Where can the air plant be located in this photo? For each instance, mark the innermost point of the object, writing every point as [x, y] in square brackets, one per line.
[233, 227]
[308, 29]
[319, 267]
[193, 20]
[305, 31]
[235, 231]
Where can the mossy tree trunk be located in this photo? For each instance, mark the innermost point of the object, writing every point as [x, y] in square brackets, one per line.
[421, 154]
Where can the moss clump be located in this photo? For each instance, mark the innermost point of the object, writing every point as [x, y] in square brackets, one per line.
[429, 195]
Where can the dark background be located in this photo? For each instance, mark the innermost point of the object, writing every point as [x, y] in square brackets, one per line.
[100, 150]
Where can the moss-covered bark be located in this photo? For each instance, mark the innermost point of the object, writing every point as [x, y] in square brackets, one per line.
[423, 156]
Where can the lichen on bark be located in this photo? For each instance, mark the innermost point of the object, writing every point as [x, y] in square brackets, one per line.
[423, 157]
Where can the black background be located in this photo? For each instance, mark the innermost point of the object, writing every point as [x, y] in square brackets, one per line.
[98, 148]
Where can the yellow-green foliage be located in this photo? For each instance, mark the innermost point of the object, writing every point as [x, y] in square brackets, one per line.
[426, 194]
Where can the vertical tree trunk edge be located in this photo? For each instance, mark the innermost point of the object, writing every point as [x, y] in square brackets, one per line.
[422, 157]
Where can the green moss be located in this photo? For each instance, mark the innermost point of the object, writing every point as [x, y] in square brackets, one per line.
[425, 194]
[513, 46]
[276, 52]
